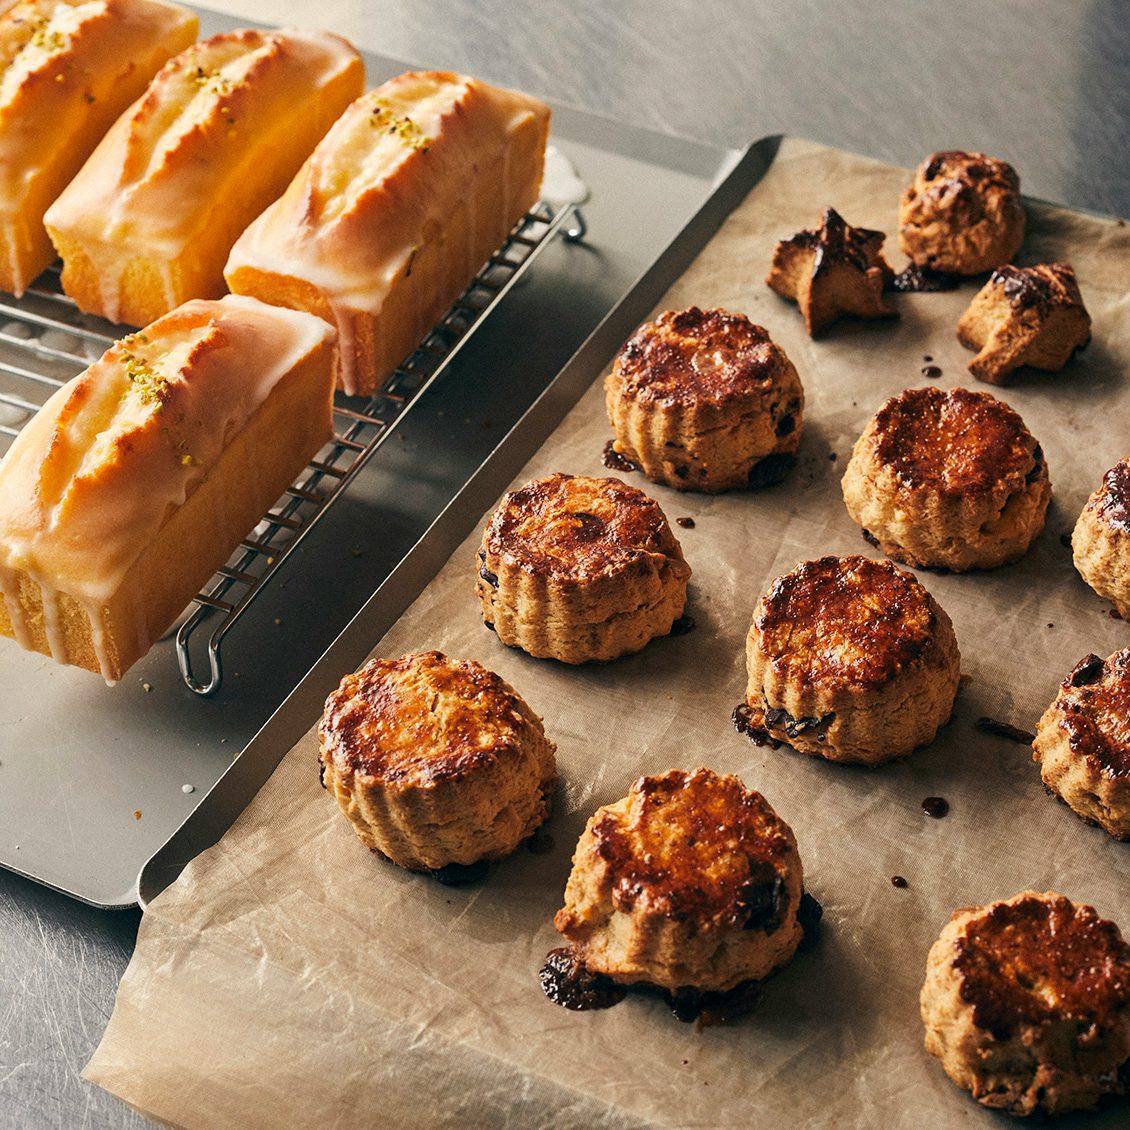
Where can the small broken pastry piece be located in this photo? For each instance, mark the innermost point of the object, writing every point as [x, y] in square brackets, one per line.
[832, 270]
[1083, 742]
[691, 881]
[962, 214]
[704, 400]
[577, 569]
[1101, 541]
[850, 659]
[435, 761]
[1024, 316]
[948, 479]
[1027, 1004]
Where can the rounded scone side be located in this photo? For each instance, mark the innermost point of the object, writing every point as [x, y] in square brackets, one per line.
[961, 214]
[435, 761]
[1100, 543]
[699, 398]
[577, 569]
[948, 479]
[1026, 1002]
[1083, 742]
[851, 660]
[690, 881]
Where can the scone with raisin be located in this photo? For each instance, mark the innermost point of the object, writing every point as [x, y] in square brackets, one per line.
[435, 761]
[948, 479]
[691, 881]
[1025, 316]
[1083, 742]
[577, 569]
[850, 659]
[1027, 1004]
[962, 214]
[704, 400]
[832, 270]
[1100, 543]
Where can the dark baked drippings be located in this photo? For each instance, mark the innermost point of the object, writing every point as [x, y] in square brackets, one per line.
[568, 983]
[461, 874]
[810, 915]
[615, 461]
[1039, 958]
[1087, 670]
[1037, 288]
[777, 718]
[771, 470]
[900, 882]
[838, 242]
[685, 523]
[931, 372]
[682, 626]
[925, 280]
[712, 1008]
[936, 807]
[1005, 730]
[1112, 501]
[540, 843]
[742, 718]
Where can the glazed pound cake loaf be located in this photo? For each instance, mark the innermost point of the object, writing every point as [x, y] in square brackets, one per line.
[400, 205]
[149, 220]
[70, 67]
[137, 479]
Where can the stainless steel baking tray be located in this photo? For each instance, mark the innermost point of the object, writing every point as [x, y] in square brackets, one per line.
[94, 780]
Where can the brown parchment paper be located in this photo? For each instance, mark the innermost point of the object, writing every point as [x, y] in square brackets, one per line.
[289, 978]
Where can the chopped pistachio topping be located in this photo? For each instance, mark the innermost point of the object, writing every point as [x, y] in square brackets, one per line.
[46, 38]
[382, 117]
[211, 81]
[151, 385]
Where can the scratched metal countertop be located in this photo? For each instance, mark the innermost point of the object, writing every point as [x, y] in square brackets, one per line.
[1041, 83]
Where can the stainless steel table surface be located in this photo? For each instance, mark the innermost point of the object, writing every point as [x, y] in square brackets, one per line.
[1043, 83]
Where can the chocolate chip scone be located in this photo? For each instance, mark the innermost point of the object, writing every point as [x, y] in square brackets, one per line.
[1027, 1004]
[691, 881]
[704, 400]
[948, 479]
[1025, 316]
[1083, 742]
[850, 659]
[577, 569]
[962, 214]
[435, 761]
[832, 270]
[1101, 541]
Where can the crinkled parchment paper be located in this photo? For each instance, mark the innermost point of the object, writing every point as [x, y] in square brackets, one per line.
[290, 978]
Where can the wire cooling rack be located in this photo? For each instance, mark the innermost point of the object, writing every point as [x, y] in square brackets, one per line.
[45, 340]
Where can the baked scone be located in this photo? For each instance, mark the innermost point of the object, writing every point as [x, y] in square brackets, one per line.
[948, 479]
[413, 189]
[138, 478]
[150, 218]
[578, 569]
[1024, 316]
[435, 761]
[704, 400]
[962, 213]
[850, 659]
[691, 881]
[1027, 1004]
[832, 270]
[1083, 742]
[70, 68]
[1100, 543]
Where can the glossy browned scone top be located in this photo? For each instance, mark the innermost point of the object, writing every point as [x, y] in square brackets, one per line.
[850, 659]
[692, 880]
[831, 270]
[699, 398]
[1100, 542]
[1083, 742]
[948, 478]
[435, 761]
[962, 213]
[578, 568]
[1027, 1003]
[1030, 316]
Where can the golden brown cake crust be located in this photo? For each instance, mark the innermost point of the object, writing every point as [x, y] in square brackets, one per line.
[1100, 542]
[848, 620]
[962, 213]
[573, 528]
[953, 441]
[1038, 957]
[697, 847]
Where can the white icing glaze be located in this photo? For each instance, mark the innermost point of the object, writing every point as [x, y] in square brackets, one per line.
[90, 481]
[191, 144]
[383, 182]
